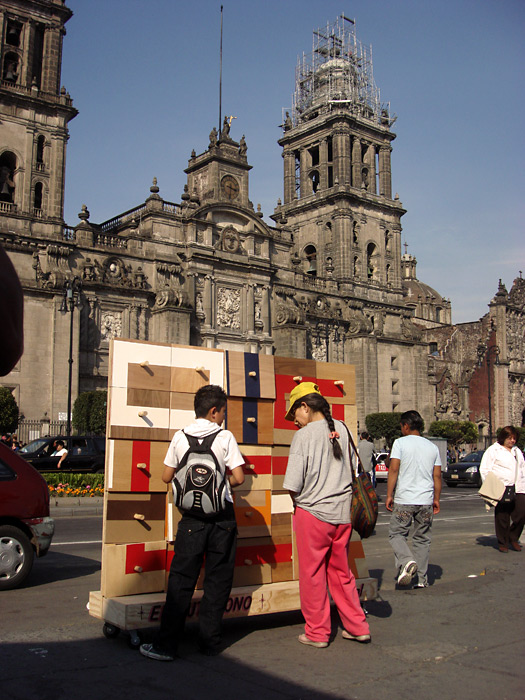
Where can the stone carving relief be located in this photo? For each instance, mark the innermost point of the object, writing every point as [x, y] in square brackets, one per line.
[170, 298]
[229, 308]
[409, 330]
[111, 325]
[447, 399]
[287, 310]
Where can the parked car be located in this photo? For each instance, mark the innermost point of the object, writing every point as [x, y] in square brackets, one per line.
[84, 454]
[466, 471]
[26, 530]
[382, 465]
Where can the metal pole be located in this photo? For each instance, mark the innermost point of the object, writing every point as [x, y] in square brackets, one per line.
[490, 399]
[71, 309]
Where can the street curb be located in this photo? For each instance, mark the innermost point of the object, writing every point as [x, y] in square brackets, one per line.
[66, 507]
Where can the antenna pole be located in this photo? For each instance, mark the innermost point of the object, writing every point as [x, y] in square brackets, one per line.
[220, 82]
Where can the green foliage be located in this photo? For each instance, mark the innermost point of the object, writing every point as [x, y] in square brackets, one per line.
[384, 425]
[8, 411]
[455, 432]
[74, 480]
[89, 412]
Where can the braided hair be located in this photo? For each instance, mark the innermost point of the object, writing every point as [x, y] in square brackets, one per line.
[318, 403]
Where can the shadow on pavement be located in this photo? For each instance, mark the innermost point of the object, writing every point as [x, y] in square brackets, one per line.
[487, 541]
[60, 567]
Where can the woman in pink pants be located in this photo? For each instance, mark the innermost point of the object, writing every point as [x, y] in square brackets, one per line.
[319, 479]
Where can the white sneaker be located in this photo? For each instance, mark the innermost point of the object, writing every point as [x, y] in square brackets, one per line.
[152, 653]
[407, 573]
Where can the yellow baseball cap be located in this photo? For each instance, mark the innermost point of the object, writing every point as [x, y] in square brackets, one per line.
[302, 389]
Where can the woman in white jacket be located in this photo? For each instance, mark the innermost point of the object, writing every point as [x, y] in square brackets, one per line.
[507, 462]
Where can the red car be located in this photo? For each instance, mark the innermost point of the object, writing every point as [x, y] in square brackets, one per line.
[26, 530]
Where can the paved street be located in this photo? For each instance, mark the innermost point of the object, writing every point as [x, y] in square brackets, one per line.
[462, 638]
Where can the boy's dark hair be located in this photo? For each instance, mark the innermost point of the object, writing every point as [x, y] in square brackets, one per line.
[413, 420]
[364, 435]
[207, 397]
[60, 442]
[507, 431]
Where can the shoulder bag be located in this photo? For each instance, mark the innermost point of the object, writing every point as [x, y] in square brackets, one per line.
[494, 491]
[364, 509]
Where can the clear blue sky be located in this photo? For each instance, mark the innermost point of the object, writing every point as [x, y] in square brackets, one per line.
[145, 77]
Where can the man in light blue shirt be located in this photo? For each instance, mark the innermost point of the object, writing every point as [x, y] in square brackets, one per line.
[415, 475]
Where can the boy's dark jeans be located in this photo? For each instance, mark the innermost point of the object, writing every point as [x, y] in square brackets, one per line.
[216, 540]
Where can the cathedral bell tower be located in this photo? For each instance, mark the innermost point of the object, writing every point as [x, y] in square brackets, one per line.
[337, 173]
[34, 111]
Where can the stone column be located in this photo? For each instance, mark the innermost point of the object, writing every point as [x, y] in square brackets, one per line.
[305, 191]
[51, 59]
[385, 173]
[208, 311]
[371, 163]
[323, 164]
[289, 175]
[341, 232]
[250, 316]
[265, 310]
[356, 163]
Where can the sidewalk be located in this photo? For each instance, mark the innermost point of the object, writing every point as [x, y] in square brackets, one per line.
[67, 506]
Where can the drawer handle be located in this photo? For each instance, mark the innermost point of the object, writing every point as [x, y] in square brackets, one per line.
[139, 516]
[142, 465]
[143, 414]
[145, 363]
[138, 569]
[199, 369]
[252, 374]
[251, 420]
[248, 562]
[249, 513]
[250, 466]
[298, 379]
[339, 382]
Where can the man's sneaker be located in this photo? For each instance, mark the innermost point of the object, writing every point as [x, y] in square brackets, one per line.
[421, 585]
[362, 638]
[310, 642]
[407, 573]
[152, 653]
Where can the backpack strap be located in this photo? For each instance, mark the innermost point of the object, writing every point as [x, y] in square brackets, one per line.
[196, 446]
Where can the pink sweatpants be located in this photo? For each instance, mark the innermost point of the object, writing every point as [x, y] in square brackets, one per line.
[323, 559]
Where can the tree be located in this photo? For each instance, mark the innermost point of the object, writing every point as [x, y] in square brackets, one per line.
[8, 411]
[455, 432]
[384, 425]
[89, 412]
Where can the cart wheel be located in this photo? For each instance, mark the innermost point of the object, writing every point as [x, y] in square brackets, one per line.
[134, 640]
[110, 631]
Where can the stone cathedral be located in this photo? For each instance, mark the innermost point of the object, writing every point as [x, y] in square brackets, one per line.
[327, 280]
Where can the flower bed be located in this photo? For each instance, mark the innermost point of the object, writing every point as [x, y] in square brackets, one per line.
[83, 485]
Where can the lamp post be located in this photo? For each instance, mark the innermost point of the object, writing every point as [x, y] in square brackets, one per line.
[485, 351]
[70, 299]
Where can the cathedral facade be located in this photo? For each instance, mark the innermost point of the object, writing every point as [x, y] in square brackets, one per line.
[326, 280]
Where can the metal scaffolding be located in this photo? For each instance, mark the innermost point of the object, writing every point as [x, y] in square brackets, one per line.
[337, 74]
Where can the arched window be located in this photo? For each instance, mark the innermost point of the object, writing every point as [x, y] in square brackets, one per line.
[371, 271]
[438, 314]
[7, 171]
[311, 255]
[40, 143]
[12, 35]
[314, 177]
[37, 197]
[10, 68]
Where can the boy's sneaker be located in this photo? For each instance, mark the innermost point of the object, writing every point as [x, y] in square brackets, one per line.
[407, 573]
[310, 642]
[152, 653]
[362, 638]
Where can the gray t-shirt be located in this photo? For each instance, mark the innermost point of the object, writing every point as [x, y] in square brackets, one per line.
[323, 484]
[415, 483]
[366, 451]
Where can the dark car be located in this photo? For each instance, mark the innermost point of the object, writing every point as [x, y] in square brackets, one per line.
[26, 529]
[84, 454]
[466, 471]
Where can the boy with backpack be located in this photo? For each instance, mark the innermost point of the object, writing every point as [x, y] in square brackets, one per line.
[203, 462]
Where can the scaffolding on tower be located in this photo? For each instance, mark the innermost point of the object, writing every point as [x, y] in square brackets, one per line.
[338, 74]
